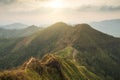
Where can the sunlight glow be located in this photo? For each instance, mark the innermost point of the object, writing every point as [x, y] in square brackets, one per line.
[56, 4]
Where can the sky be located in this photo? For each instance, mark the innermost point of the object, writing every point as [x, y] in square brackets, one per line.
[50, 11]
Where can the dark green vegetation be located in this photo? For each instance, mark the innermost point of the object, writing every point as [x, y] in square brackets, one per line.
[96, 53]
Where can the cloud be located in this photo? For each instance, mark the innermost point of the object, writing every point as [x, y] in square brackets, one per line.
[7, 2]
[110, 8]
[20, 5]
[103, 8]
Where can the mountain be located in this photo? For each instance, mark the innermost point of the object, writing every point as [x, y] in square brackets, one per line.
[14, 26]
[99, 53]
[50, 67]
[111, 27]
[13, 33]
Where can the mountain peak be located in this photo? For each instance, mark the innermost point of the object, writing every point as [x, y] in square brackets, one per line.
[32, 27]
[15, 26]
[84, 25]
[30, 63]
[59, 24]
[48, 58]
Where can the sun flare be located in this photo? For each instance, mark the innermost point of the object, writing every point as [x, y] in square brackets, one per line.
[56, 4]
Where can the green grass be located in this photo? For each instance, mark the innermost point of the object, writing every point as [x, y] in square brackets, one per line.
[51, 67]
[65, 52]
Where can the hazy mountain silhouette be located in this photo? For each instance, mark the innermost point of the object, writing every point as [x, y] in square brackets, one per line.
[111, 27]
[17, 33]
[14, 26]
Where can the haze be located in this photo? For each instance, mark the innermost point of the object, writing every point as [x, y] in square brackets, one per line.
[49, 11]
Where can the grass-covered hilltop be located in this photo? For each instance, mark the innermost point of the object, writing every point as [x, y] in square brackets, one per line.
[50, 67]
[61, 52]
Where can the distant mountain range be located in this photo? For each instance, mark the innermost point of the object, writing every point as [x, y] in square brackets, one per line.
[14, 26]
[111, 27]
[66, 52]
[18, 33]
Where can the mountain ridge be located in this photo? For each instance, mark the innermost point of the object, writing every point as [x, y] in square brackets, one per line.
[97, 51]
[49, 68]
[18, 33]
[14, 26]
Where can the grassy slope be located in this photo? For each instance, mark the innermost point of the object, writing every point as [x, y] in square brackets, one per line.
[51, 67]
[98, 52]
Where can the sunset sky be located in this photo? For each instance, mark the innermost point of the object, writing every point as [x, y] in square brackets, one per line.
[49, 11]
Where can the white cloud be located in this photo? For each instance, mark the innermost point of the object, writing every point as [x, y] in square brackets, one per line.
[73, 10]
